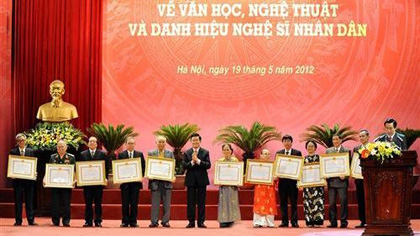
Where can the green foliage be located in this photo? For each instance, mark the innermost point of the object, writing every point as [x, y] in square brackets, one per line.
[410, 134]
[177, 136]
[248, 140]
[111, 138]
[45, 135]
[323, 134]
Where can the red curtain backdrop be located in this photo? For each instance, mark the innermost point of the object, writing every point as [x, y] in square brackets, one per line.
[57, 39]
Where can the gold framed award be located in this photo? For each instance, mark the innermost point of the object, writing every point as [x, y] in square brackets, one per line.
[90, 173]
[21, 167]
[159, 168]
[229, 173]
[127, 170]
[288, 166]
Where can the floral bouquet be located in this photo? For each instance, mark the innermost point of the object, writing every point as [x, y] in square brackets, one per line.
[380, 151]
[44, 136]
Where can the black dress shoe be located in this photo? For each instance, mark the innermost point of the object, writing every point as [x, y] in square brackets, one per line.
[17, 224]
[295, 225]
[332, 226]
[343, 226]
[202, 226]
[124, 225]
[66, 225]
[153, 225]
[32, 223]
[88, 225]
[98, 225]
[134, 225]
[223, 225]
[166, 225]
[56, 224]
[190, 225]
[284, 225]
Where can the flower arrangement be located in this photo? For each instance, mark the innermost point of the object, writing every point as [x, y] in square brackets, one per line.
[380, 151]
[44, 136]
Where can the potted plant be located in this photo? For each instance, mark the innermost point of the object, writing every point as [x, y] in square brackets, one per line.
[111, 138]
[323, 134]
[410, 134]
[176, 137]
[249, 141]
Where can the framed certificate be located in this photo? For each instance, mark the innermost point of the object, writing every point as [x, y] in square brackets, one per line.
[229, 173]
[311, 176]
[127, 170]
[259, 172]
[90, 173]
[21, 167]
[288, 167]
[335, 165]
[59, 176]
[160, 168]
[356, 169]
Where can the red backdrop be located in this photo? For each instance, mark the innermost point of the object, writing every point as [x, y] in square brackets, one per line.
[358, 81]
[57, 39]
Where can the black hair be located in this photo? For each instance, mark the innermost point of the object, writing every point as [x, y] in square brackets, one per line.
[287, 137]
[311, 141]
[230, 147]
[391, 121]
[195, 135]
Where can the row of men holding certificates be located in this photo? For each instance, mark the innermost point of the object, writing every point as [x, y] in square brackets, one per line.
[311, 173]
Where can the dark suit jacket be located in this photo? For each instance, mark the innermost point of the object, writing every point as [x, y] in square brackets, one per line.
[294, 152]
[28, 152]
[196, 174]
[337, 182]
[154, 184]
[99, 155]
[137, 154]
[399, 140]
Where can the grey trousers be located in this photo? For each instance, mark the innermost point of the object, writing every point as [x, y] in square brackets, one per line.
[163, 194]
[332, 196]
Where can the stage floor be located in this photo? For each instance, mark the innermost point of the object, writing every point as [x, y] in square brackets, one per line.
[111, 228]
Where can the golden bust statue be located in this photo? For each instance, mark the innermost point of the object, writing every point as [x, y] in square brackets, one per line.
[57, 110]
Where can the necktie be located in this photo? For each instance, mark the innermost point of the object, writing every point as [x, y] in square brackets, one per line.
[22, 152]
[389, 139]
[92, 153]
[131, 155]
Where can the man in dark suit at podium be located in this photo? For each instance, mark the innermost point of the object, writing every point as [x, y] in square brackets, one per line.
[196, 161]
[130, 191]
[288, 187]
[360, 191]
[338, 185]
[391, 135]
[23, 186]
[93, 193]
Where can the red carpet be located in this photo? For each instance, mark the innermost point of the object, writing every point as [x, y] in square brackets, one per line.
[111, 228]
[112, 204]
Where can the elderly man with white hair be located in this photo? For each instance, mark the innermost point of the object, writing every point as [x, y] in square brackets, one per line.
[160, 190]
[63, 194]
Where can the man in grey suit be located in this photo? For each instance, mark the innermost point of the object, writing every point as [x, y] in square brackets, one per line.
[160, 190]
[338, 185]
[391, 135]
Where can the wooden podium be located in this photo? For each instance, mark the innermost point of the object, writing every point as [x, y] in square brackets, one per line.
[388, 188]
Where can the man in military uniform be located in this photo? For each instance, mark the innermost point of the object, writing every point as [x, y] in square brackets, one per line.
[61, 157]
